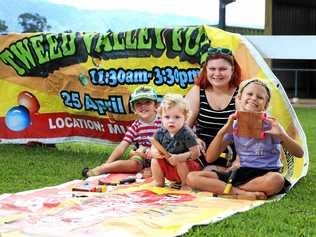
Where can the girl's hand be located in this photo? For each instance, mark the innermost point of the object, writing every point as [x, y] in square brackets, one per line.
[235, 165]
[287, 142]
[228, 127]
[276, 128]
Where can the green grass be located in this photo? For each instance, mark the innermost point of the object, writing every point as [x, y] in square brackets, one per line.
[25, 168]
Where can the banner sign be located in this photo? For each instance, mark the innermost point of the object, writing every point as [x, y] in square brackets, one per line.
[76, 86]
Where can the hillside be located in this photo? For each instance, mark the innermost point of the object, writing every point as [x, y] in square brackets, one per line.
[63, 18]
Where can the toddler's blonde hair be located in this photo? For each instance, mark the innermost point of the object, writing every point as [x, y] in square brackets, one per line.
[174, 100]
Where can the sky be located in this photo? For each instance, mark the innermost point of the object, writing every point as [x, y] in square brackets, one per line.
[248, 13]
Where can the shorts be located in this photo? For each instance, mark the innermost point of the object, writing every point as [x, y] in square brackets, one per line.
[244, 175]
[170, 171]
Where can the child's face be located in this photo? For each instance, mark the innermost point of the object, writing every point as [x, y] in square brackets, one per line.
[254, 98]
[173, 119]
[145, 109]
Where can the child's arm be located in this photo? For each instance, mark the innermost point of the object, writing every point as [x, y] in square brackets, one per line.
[118, 152]
[192, 154]
[289, 143]
[235, 165]
[195, 152]
[218, 145]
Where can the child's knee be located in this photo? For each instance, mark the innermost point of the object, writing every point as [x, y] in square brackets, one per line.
[159, 179]
[278, 179]
[155, 167]
[191, 179]
[275, 178]
[275, 183]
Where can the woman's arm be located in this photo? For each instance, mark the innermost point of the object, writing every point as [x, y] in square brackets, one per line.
[193, 98]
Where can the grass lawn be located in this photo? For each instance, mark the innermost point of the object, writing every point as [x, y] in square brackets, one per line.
[24, 168]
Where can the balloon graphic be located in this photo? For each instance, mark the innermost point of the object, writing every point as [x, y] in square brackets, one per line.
[17, 118]
[28, 100]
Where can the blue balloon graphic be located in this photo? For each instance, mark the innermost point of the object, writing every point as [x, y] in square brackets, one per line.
[17, 118]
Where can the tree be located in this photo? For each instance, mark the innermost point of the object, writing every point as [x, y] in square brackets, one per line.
[33, 23]
[3, 26]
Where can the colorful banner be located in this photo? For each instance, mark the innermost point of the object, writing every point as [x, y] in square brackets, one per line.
[76, 86]
[127, 210]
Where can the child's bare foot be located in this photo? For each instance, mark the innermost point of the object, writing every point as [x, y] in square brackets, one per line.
[155, 184]
[250, 195]
[261, 195]
[185, 187]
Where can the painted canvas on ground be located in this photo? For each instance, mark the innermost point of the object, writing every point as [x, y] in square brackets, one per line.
[136, 209]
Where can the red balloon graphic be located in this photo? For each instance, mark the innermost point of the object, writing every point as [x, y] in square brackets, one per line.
[28, 100]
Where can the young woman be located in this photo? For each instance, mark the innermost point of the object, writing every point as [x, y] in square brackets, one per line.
[212, 99]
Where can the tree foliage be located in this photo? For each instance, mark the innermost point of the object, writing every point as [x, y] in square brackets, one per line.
[33, 23]
[3, 26]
